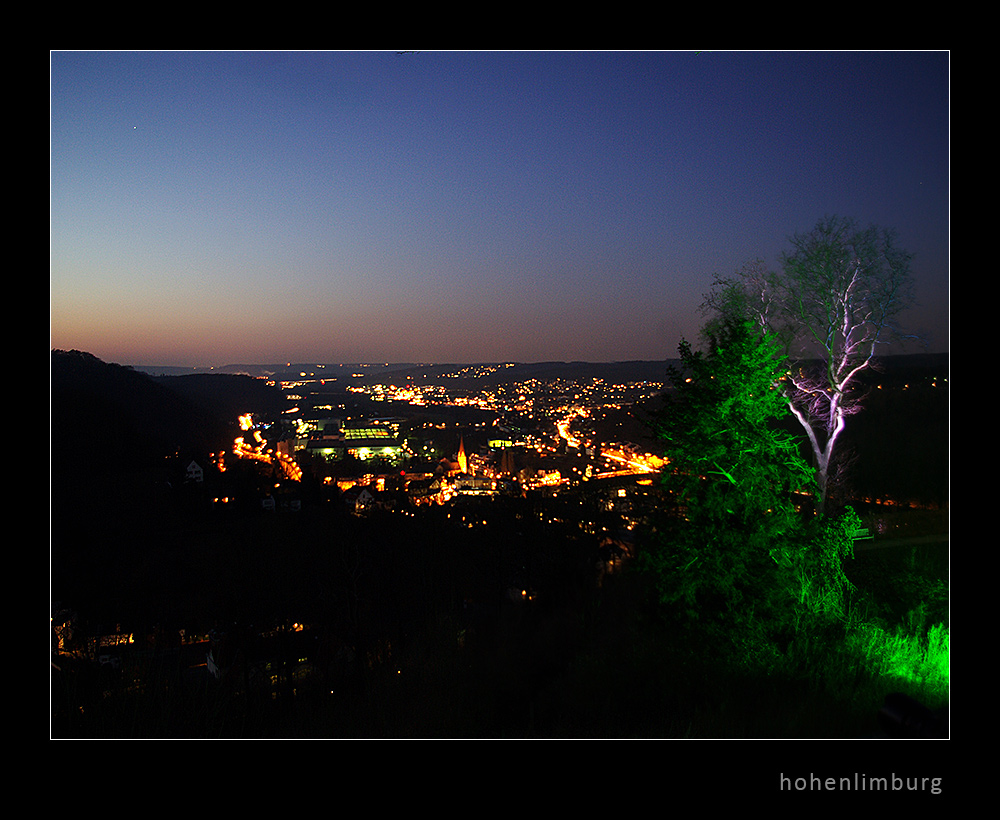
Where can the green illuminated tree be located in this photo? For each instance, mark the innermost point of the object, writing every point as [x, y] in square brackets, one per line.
[835, 304]
[732, 475]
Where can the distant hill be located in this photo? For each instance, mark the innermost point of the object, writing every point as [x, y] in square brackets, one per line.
[629, 371]
[424, 372]
[491, 372]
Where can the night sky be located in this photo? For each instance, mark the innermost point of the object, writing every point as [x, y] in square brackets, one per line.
[257, 207]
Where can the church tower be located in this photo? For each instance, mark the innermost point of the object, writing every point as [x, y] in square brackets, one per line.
[463, 462]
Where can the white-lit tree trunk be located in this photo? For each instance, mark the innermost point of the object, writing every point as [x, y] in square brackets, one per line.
[822, 448]
[840, 290]
[835, 302]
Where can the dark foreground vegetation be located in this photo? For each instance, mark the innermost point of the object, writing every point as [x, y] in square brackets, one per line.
[500, 618]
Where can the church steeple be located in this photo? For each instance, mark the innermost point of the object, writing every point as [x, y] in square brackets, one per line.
[463, 462]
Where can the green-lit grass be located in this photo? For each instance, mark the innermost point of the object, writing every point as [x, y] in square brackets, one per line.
[917, 664]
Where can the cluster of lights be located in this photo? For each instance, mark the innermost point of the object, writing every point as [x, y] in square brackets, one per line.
[477, 371]
[390, 392]
[261, 452]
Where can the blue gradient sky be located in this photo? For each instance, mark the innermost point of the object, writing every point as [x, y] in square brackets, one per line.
[210, 208]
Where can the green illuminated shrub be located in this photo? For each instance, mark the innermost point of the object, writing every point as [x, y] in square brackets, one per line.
[817, 581]
[732, 534]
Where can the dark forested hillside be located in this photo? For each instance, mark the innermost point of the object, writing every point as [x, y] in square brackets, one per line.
[109, 418]
[226, 395]
[119, 439]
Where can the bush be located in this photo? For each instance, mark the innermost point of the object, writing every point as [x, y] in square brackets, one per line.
[819, 585]
[721, 549]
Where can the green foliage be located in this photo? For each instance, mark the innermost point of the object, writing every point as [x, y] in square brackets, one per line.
[732, 474]
[819, 584]
[719, 425]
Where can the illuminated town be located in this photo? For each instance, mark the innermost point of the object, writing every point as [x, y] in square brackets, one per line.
[441, 441]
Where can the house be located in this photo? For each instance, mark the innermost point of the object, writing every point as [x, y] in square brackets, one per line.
[194, 473]
[359, 499]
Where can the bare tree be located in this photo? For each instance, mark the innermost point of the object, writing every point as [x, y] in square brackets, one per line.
[835, 303]
[751, 294]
